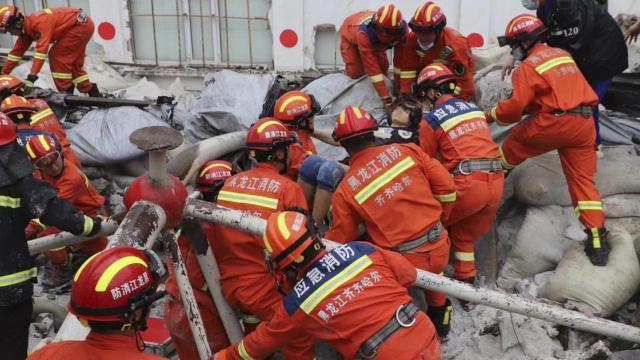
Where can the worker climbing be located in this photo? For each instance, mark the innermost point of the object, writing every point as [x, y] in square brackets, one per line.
[67, 30]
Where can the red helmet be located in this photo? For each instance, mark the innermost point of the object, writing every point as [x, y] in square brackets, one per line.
[8, 16]
[428, 18]
[42, 150]
[521, 28]
[295, 106]
[267, 134]
[16, 106]
[286, 237]
[7, 130]
[9, 84]
[433, 76]
[212, 175]
[353, 121]
[115, 282]
[388, 20]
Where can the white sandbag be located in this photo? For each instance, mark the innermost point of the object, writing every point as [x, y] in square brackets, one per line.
[489, 56]
[596, 289]
[102, 137]
[621, 206]
[546, 233]
[540, 180]
[490, 88]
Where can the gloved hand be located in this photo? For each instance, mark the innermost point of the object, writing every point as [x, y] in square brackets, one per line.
[195, 235]
[30, 80]
[388, 103]
[97, 225]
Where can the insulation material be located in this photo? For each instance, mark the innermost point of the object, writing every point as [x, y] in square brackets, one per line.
[597, 290]
[102, 137]
[230, 102]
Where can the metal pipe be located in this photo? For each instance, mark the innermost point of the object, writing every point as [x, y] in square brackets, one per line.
[254, 225]
[211, 274]
[189, 299]
[140, 227]
[64, 238]
[158, 166]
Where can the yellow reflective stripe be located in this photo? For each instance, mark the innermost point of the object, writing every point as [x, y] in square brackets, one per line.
[48, 11]
[384, 179]
[342, 117]
[40, 56]
[445, 198]
[447, 315]
[209, 167]
[335, 282]
[408, 74]
[267, 123]
[80, 79]
[238, 198]
[43, 142]
[290, 100]
[596, 238]
[243, 352]
[503, 160]
[464, 256]
[61, 75]
[88, 225]
[40, 115]
[84, 264]
[376, 78]
[10, 202]
[357, 112]
[590, 205]
[114, 269]
[282, 226]
[14, 58]
[30, 152]
[385, 11]
[394, 19]
[19, 277]
[454, 121]
[553, 63]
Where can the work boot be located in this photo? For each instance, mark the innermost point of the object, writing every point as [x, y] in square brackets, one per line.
[597, 246]
[70, 90]
[467, 305]
[56, 278]
[94, 92]
[441, 318]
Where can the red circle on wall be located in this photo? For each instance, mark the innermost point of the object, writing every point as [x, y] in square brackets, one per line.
[106, 30]
[475, 40]
[288, 38]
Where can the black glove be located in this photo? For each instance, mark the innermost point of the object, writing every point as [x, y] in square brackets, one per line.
[97, 225]
[196, 236]
[31, 79]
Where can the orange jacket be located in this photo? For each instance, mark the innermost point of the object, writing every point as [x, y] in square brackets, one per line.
[297, 155]
[344, 316]
[45, 27]
[384, 185]
[95, 347]
[354, 32]
[546, 81]
[46, 120]
[455, 131]
[451, 49]
[259, 192]
[306, 140]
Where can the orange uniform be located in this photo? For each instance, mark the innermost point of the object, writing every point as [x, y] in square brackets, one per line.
[73, 185]
[451, 49]
[46, 120]
[383, 186]
[246, 281]
[298, 153]
[306, 140]
[95, 347]
[549, 86]
[69, 31]
[362, 51]
[348, 312]
[175, 316]
[456, 132]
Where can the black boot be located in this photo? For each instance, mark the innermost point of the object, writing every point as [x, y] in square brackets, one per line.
[94, 92]
[597, 246]
[441, 318]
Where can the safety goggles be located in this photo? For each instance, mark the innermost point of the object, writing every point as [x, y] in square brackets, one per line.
[47, 160]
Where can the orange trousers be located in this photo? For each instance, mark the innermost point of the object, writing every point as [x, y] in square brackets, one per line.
[435, 261]
[572, 135]
[478, 199]
[66, 58]
[354, 67]
[261, 299]
[177, 321]
[418, 342]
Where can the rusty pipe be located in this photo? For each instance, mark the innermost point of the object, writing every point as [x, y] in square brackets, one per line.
[140, 227]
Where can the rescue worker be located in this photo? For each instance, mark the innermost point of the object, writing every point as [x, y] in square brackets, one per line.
[72, 184]
[586, 30]
[549, 86]
[22, 198]
[67, 30]
[318, 177]
[432, 41]
[194, 240]
[37, 115]
[456, 132]
[353, 297]
[364, 38]
[382, 186]
[112, 294]
[246, 282]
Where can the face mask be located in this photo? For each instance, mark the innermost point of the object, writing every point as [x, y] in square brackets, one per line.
[530, 4]
[517, 54]
[426, 47]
